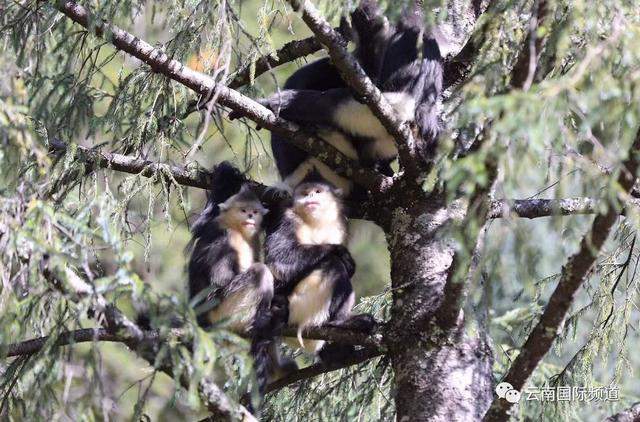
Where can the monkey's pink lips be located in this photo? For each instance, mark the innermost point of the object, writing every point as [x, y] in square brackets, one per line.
[249, 224]
[312, 204]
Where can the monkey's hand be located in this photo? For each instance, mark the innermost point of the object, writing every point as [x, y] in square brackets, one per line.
[279, 311]
[346, 259]
[365, 323]
[238, 114]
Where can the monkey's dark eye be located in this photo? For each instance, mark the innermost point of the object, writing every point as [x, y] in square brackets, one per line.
[243, 210]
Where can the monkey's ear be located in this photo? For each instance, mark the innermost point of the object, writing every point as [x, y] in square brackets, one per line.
[223, 206]
[338, 192]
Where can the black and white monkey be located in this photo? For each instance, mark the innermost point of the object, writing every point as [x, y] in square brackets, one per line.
[224, 268]
[403, 60]
[312, 267]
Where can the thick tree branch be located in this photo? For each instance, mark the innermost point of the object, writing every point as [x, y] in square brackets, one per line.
[194, 177]
[472, 226]
[355, 358]
[525, 68]
[458, 67]
[573, 275]
[479, 209]
[197, 178]
[353, 74]
[201, 178]
[206, 86]
[536, 208]
[84, 335]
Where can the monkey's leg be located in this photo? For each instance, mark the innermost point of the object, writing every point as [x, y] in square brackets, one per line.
[243, 296]
[340, 316]
[282, 365]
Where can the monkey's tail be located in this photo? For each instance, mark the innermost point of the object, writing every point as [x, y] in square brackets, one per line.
[299, 336]
[426, 116]
[263, 362]
[262, 342]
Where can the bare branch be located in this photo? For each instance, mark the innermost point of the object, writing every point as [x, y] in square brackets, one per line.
[472, 225]
[201, 178]
[353, 74]
[355, 358]
[206, 86]
[536, 208]
[479, 208]
[289, 52]
[525, 68]
[573, 275]
[457, 68]
[197, 178]
[84, 335]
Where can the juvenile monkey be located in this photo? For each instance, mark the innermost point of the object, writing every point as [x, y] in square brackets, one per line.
[224, 267]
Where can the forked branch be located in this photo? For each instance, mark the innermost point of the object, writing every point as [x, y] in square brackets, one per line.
[573, 275]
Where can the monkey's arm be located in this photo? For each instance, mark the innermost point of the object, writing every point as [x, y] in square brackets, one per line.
[305, 105]
[212, 266]
[308, 106]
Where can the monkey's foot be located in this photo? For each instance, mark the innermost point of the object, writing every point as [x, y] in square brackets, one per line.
[335, 353]
[365, 323]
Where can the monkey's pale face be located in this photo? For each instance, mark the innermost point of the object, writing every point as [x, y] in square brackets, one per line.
[245, 218]
[315, 201]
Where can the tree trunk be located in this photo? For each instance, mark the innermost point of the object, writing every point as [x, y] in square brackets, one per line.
[440, 375]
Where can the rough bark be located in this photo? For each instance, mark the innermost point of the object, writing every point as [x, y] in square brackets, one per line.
[439, 375]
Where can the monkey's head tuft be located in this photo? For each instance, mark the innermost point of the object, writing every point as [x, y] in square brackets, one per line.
[317, 202]
[242, 212]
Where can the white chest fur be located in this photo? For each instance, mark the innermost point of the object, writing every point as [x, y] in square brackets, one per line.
[243, 248]
[310, 301]
[328, 230]
[333, 234]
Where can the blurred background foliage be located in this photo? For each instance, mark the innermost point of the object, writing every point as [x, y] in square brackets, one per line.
[125, 234]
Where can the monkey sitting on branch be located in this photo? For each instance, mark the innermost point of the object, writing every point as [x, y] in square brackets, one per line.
[226, 282]
[311, 266]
